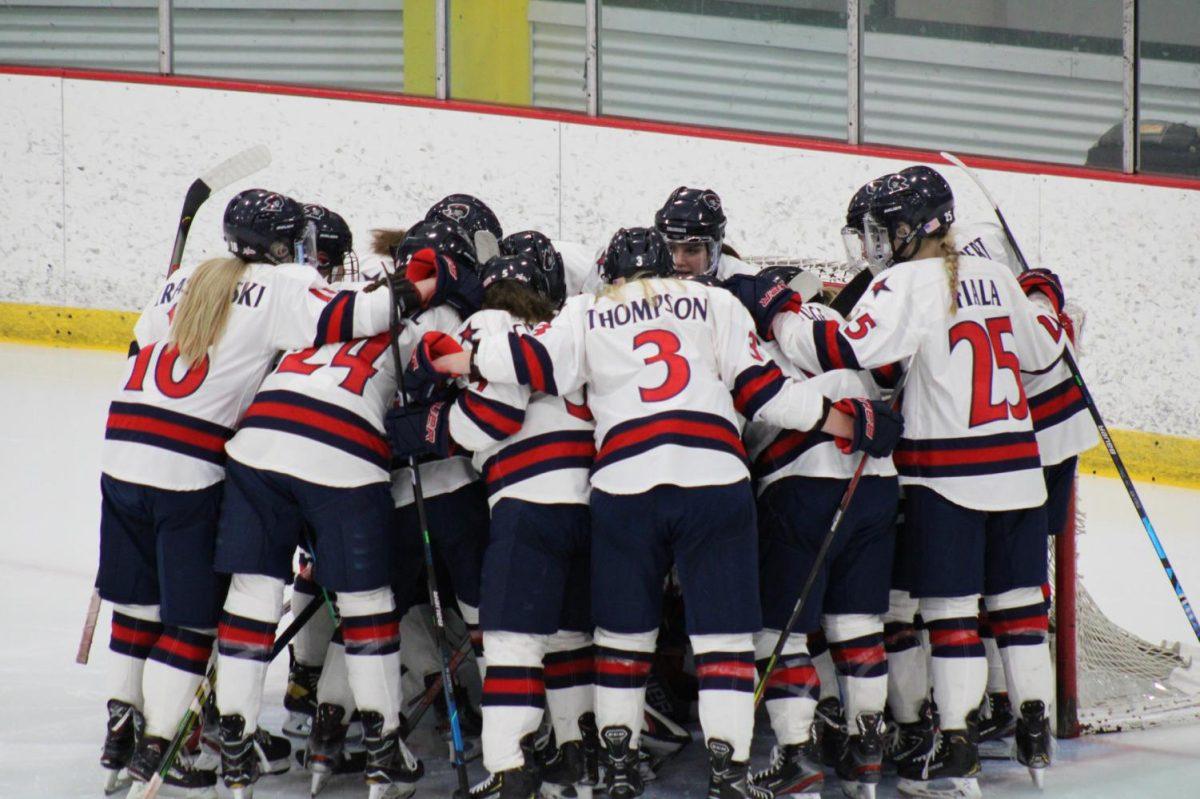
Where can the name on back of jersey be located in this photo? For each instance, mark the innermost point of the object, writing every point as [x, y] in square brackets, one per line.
[977, 291]
[643, 309]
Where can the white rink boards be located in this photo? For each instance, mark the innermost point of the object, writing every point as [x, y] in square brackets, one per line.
[52, 710]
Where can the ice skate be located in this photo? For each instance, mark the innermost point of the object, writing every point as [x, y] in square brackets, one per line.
[907, 743]
[326, 744]
[728, 778]
[300, 699]
[949, 771]
[829, 731]
[622, 777]
[996, 725]
[391, 769]
[240, 764]
[563, 770]
[273, 752]
[861, 765]
[792, 772]
[591, 749]
[120, 740]
[660, 736]
[1033, 740]
[184, 779]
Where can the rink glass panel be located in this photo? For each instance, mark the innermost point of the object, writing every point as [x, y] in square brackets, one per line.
[122, 34]
[351, 44]
[1015, 78]
[763, 66]
[1169, 86]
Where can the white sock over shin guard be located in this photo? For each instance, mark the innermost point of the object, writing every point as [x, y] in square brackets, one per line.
[725, 670]
[791, 693]
[908, 671]
[371, 635]
[253, 607]
[622, 668]
[135, 630]
[856, 643]
[1018, 621]
[334, 686]
[570, 691]
[957, 664]
[174, 669]
[311, 640]
[514, 696]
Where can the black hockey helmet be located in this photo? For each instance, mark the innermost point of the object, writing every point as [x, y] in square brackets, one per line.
[636, 250]
[522, 268]
[469, 213]
[263, 225]
[852, 233]
[444, 237]
[693, 216]
[912, 204]
[334, 243]
[538, 246]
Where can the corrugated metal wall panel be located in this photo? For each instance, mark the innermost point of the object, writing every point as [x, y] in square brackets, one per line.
[118, 35]
[558, 55]
[358, 45]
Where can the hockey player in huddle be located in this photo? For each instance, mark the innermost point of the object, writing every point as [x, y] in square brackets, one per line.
[693, 223]
[534, 451]
[668, 365]
[194, 364]
[800, 479]
[969, 330]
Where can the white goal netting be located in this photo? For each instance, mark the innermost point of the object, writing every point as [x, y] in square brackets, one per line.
[1121, 681]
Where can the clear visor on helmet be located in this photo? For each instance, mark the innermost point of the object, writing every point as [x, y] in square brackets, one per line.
[695, 255]
[306, 245]
[877, 243]
[856, 250]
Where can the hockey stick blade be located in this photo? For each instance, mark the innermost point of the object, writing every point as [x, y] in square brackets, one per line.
[89, 629]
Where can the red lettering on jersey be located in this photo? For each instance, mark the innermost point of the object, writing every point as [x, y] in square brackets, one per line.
[755, 353]
[164, 374]
[679, 372]
[862, 326]
[987, 355]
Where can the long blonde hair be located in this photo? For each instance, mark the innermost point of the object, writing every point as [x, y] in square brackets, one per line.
[203, 309]
[949, 253]
[648, 282]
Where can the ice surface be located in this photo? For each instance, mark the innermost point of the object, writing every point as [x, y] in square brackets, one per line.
[52, 710]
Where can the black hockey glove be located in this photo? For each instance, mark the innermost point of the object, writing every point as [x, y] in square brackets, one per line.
[425, 384]
[764, 296]
[877, 426]
[420, 430]
[404, 293]
[457, 286]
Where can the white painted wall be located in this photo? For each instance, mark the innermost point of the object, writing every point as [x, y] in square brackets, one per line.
[93, 175]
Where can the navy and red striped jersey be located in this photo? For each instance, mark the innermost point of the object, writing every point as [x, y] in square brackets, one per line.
[527, 445]
[170, 421]
[965, 410]
[669, 365]
[1061, 420]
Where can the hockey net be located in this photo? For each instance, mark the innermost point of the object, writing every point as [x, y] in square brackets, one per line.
[1108, 679]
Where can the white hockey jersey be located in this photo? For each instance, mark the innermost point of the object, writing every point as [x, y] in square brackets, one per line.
[728, 266]
[169, 424]
[319, 414]
[985, 240]
[965, 412]
[777, 453]
[529, 446]
[668, 365]
[581, 272]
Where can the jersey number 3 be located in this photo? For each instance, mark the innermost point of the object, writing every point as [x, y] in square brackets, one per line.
[679, 372]
[988, 355]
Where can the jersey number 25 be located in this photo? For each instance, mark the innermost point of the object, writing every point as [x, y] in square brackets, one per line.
[987, 356]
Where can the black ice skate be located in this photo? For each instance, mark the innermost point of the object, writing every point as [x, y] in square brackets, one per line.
[622, 777]
[515, 783]
[300, 698]
[562, 769]
[861, 765]
[326, 745]
[661, 736]
[829, 730]
[996, 725]
[273, 752]
[591, 749]
[1033, 739]
[792, 772]
[124, 727]
[470, 720]
[729, 778]
[950, 770]
[184, 779]
[908, 743]
[240, 765]
[391, 770]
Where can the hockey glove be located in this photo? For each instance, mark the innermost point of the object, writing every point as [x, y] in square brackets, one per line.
[877, 426]
[420, 430]
[404, 293]
[424, 383]
[458, 287]
[764, 296]
[1046, 283]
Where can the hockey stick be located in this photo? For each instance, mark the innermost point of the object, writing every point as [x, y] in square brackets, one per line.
[89, 629]
[1101, 427]
[460, 764]
[232, 169]
[422, 702]
[819, 560]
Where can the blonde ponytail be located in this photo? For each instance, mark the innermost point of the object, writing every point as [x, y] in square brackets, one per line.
[204, 307]
[949, 255]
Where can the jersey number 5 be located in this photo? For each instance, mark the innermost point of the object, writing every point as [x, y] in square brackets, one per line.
[679, 372]
[987, 355]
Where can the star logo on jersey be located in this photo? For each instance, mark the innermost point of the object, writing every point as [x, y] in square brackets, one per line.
[878, 286]
[469, 333]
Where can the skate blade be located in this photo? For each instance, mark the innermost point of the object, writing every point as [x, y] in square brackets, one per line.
[318, 782]
[550, 790]
[117, 781]
[1039, 776]
[941, 788]
[242, 792]
[298, 725]
[858, 790]
[393, 790]
[137, 789]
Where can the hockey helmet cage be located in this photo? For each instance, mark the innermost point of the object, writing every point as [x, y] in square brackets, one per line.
[263, 225]
[852, 233]
[444, 237]
[539, 247]
[335, 243]
[635, 251]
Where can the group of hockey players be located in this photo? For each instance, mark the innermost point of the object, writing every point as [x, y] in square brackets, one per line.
[630, 465]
